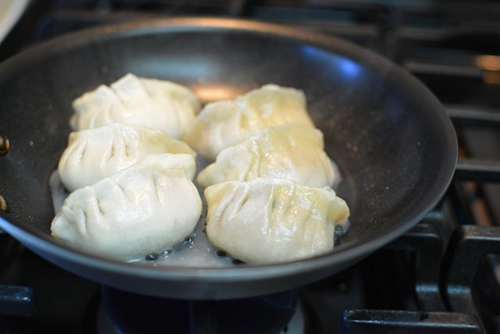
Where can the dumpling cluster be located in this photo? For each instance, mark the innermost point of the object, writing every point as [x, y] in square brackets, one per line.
[269, 191]
[130, 176]
[130, 179]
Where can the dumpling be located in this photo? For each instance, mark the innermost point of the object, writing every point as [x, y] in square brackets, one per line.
[268, 221]
[152, 103]
[94, 154]
[288, 151]
[146, 208]
[227, 123]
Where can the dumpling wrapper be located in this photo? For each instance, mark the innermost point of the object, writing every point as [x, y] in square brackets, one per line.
[289, 151]
[227, 123]
[149, 207]
[94, 154]
[267, 221]
[152, 103]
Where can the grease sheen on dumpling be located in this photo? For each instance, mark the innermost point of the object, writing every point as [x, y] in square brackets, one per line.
[267, 221]
[149, 207]
[288, 151]
[152, 103]
[227, 123]
[94, 154]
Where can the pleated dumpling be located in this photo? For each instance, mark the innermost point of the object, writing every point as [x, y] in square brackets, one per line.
[152, 103]
[94, 154]
[288, 151]
[227, 123]
[149, 207]
[268, 221]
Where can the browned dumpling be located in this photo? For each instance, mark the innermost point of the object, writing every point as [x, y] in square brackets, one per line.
[267, 221]
[288, 151]
[227, 123]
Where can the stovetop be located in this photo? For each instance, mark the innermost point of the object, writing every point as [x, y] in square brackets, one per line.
[441, 277]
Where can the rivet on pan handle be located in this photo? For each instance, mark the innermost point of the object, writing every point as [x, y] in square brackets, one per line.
[3, 204]
[4, 144]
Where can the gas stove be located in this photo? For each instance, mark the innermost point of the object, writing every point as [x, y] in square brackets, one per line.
[443, 276]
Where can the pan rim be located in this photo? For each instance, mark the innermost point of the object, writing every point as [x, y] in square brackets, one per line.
[344, 253]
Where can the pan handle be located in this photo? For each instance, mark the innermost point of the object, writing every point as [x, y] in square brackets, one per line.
[4, 144]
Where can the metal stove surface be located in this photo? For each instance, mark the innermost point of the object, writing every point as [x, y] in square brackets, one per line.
[441, 277]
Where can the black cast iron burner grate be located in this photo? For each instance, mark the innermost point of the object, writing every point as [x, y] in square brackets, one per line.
[445, 302]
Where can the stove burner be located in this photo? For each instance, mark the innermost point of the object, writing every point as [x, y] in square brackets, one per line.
[125, 312]
[17, 300]
[295, 326]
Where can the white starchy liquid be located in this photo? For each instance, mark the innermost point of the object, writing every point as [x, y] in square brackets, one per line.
[196, 251]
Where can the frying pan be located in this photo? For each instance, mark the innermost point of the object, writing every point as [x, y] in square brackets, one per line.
[394, 144]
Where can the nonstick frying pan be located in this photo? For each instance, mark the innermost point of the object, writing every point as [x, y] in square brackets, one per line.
[389, 135]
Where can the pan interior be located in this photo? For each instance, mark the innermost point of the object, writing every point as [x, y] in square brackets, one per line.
[378, 126]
